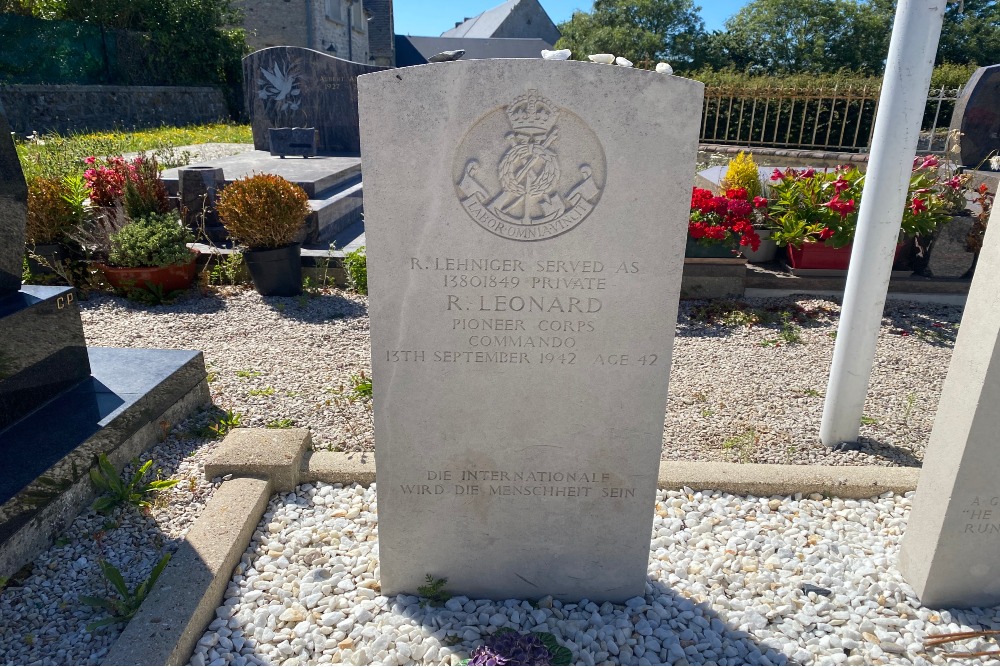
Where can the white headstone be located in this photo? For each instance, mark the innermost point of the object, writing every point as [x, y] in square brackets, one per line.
[950, 552]
[525, 223]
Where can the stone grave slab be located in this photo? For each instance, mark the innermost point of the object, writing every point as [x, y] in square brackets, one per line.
[525, 223]
[950, 551]
[290, 86]
[977, 117]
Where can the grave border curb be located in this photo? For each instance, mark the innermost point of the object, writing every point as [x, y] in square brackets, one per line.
[220, 535]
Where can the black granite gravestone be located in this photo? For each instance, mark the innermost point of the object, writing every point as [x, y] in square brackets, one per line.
[42, 349]
[13, 212]
[62, 404]
[288, 86]
[977, 117]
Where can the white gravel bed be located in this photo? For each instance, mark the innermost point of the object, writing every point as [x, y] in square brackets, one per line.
[42, 620]
[737, 393]
[731, 580]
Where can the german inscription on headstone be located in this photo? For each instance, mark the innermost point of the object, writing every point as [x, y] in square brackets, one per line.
[949, 551]
[976, 118]
[288, 86]
[525, 223]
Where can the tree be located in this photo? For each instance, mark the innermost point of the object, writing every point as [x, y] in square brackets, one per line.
[972, 36]
[780, 36]
[640, 30]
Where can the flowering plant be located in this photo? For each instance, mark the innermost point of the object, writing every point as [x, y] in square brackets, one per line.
[726, 219]
[811, 206]
[136, 184]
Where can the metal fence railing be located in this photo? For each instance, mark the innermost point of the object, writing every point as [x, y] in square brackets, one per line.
[837, 119]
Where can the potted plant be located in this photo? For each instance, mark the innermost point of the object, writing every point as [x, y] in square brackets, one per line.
[133, 236]
[264, 213]
[719, 224]
[815, 213]
[151, 252]
[55, 209]
[974, 240]
[743, 173]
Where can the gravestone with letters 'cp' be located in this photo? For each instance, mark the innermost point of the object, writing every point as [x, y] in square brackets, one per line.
[950, 549]
[525, 225]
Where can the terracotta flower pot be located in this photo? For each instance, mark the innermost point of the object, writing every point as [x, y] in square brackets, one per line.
[166, 278]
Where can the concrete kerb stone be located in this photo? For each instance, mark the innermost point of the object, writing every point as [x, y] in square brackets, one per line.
[272, 454]
[183, 601]
[194, 583]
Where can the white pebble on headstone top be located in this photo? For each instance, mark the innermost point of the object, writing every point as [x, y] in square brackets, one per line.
[602, 58]
[664, 68]
[561, 54]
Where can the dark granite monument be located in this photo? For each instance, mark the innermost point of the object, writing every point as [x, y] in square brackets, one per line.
[977, 118]
[61, 403]
[289, 86]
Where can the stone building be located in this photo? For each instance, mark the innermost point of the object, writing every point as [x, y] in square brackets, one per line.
[523, 19]
[339, 28]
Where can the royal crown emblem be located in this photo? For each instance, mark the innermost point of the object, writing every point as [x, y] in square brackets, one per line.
[527, 196]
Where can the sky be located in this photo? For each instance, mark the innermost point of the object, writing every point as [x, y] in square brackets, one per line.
[430, 18]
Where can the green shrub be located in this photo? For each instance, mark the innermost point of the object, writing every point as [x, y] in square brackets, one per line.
[51, 210]
[263, 211]
[157, 239]
[356, 266]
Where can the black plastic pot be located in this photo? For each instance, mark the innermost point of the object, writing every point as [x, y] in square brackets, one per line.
[276, 272]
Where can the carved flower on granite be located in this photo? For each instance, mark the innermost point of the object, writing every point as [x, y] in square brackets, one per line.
[280, 88]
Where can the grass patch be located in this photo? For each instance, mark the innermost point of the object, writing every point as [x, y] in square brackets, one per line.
[59, 155]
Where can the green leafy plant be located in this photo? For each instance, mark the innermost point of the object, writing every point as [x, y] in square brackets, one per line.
[361, 386]
[356, 266]
[248, 374]
[52, 212]
[263, 210]
[156, 239]
[434, 590]
[117, 491]
[225, 270]
[791, 332]
[868, 421]
[222, 425]
[123, 607]
[266, 391]
[744, 444]
[283, 422]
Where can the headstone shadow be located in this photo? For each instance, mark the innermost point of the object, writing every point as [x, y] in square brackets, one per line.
[315, 308]
[686, 631]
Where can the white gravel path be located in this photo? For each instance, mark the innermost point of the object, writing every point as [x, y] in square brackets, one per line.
[732, 580]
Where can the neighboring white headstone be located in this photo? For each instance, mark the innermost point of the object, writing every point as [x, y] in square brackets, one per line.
[525, 223]
[950, 552]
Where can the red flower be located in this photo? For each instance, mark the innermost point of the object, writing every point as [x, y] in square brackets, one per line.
[750, 238]
[917, 206]
[701, 200]
[739, 208]
[982, 188]
[760, 202]
[720, 205]
[954, 183]
[844, 208]
[90, 160]
[776, 175]
[825, 233]
[736, 193]
[808, 173]
[841, 184]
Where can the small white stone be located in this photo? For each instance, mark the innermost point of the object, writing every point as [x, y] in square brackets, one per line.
[623, 62]
[664, 68]
[602, 58]
[561, 54]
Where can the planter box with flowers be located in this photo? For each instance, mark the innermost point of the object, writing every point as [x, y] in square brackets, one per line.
[131, 233]
[815, 214]
[718, 227]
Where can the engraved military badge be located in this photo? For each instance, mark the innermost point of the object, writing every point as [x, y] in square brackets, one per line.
[529, 171]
